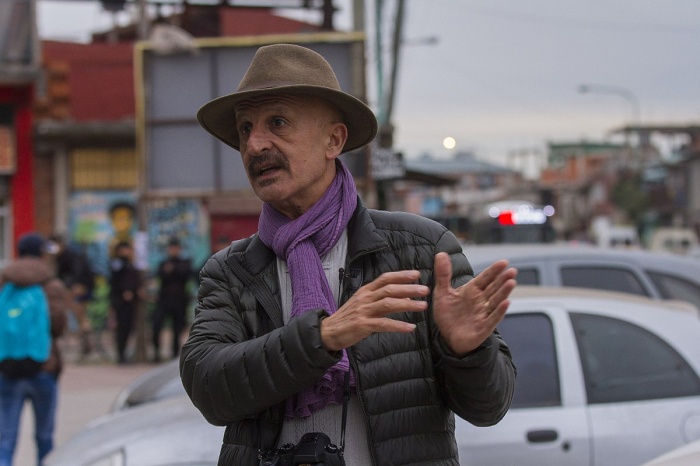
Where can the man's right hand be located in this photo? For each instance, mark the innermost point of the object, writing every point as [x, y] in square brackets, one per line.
[364, 313]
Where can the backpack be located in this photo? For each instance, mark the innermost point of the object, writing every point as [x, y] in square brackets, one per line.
[25, 330]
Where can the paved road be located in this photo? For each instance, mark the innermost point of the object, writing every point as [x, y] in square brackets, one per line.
[86, 392]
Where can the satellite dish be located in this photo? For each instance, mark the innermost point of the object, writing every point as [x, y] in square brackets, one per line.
[167, 39]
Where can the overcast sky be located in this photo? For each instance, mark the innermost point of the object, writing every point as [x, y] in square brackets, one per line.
[505, 74]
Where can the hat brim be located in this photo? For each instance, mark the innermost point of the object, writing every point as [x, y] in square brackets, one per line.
[218, 116]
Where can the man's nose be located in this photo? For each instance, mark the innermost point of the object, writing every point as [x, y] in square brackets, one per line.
[259, 141]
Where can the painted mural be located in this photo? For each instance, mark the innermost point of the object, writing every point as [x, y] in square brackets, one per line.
[98, 220]
[183, 219]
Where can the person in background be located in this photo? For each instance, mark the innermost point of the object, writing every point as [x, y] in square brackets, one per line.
[74, 270]
[174, 274]
[27, 379]
[125, 289]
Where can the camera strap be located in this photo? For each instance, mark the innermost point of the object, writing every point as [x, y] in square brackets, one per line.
[346, 400]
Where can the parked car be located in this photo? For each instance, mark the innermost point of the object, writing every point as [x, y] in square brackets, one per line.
[167, 432]
[687, 455]
[675, 240]
[161, 382]
[655, 274]
[603, 378]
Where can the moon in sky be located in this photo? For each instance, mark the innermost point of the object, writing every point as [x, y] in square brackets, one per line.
[449, 143]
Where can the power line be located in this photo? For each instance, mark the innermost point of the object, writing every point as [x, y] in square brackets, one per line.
[587, 24]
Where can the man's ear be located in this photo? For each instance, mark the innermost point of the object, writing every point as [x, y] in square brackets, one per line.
[338, 135]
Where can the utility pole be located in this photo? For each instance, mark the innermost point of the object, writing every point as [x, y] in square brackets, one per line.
[140, 317]
[395, 52]
[143, 20]
[328, 12]
[386, 106]
[358, 15]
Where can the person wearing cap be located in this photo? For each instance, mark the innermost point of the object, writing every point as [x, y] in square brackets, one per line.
[16, 386]
[174, 273]
[328, 287]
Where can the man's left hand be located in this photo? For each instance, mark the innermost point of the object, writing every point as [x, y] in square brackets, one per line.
[468, 315]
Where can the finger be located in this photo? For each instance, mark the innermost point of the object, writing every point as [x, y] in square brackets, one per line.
[401, 291]
[489, 275]
[385, 324]
[392, 305]
[388, 278]
[498, 313]
[503, 277]
[443, 273]
[502, 293]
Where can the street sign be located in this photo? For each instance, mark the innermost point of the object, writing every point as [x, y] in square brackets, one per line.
[386, 164]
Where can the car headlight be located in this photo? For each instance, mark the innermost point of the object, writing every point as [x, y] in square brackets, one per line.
[116, 458]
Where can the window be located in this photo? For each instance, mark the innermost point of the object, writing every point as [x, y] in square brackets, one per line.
[528, 276]
[624, 362]
[602, 278]
[8, 145]
[531, 340]
[104, 169]
[672, 287]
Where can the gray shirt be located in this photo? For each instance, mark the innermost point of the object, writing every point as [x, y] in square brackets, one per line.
[327, 420]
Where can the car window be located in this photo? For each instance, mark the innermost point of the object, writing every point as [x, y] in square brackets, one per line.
[531, 340]
[672, 287]
[528, 276]
[624, 362]
[602, 278]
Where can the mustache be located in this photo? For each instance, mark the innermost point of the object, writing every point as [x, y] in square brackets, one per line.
[270, 158]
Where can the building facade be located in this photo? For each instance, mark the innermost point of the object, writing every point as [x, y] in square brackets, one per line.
[19, 73]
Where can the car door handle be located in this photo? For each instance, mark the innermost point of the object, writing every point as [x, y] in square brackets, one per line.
[542, 436]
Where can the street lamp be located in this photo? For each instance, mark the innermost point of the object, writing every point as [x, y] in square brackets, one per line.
[619, 91]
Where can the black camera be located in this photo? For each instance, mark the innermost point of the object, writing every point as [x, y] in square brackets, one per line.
[314, 448]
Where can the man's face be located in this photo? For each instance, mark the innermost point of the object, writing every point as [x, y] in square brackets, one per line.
[122, 218]
[173, 250]
[124, 252]
[288, 145]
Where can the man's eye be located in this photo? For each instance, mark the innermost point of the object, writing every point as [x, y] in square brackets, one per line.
[277, 122]
[244, 129]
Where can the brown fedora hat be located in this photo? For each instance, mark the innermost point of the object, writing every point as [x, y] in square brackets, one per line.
[289, 69]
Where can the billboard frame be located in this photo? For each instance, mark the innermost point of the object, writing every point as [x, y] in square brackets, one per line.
[355, 39]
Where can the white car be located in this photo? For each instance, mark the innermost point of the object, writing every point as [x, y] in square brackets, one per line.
[603, 379]
[687, 455]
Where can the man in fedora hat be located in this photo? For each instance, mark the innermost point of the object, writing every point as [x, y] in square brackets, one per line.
[328, 287]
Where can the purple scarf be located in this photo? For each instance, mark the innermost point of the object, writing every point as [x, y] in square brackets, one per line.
[301, 243]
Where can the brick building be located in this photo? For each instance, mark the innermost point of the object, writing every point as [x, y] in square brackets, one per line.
[19, 71]
[85, 137]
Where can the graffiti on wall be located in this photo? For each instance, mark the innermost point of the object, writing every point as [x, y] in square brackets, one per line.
[183, 219]
[97, 220]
